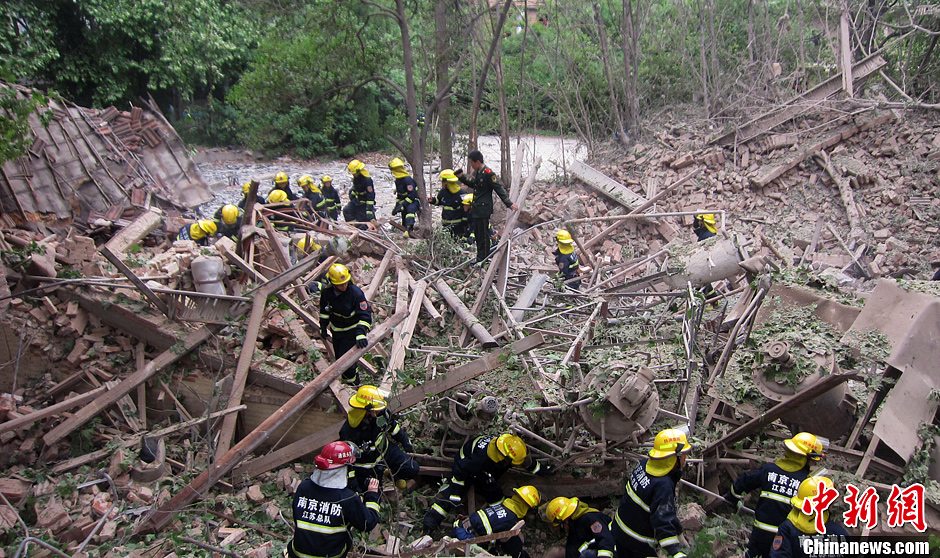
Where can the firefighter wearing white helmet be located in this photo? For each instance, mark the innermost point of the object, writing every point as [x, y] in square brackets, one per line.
[345, 316]
[480, 463]
[382, 441]
[325, 510]
[646, 517]
[778, 482]
[500, 517]
[361, 206]
[799, 527]
[588, 529]
[406, 194]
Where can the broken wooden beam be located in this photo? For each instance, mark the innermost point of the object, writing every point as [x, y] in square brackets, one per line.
[464, 314]
[606, 186]
[137, 230]
[452, 378]
[528, 295]
[856, 231]
[379, 275]
[403, 334]
[144, 289]
[160, 516]
[51, 410]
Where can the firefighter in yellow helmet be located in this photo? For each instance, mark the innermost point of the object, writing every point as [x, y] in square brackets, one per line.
[567, 260]
[646, 517]
[499, 517]
[588, 529]
[246, 189]
[361, 206]
[778, 482]
[406, 193]
[200, 232]
[799, 526]
[705, 225]
[345, 316]
[481, 462]
[449, 198]
[381, 439]
[282, 182]
[229, 218]
[311, 192]
[332, 202]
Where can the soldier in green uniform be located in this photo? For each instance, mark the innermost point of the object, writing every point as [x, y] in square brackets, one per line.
[484, 182]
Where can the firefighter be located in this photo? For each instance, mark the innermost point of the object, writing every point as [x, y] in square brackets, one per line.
[277, 196]
[588, 529]
[646, 516]
[466, 203]
[484, 182]
[567, 260]
[798, 526]
[200, 232]
[345, 315]
[325, 509]
[500, 517]
[481, 462]
[406, 192]
[311, 192]
[246, 188]
[361, 206]
[331, 199]
[449, 198]
[382, 442]
[282, 182]
[705, 226]
[778, 482]
[230, 219]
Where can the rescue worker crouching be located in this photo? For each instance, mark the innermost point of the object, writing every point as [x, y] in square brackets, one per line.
[345, 315]
[406, 193]
[450, 200]
[705, 226]
[778, 482]
[647, 516]
[311, 192]
[567, 260]
[480, 463]
[331, 198]
[230, 218]
[382, 442]
[246, 189]
[199, 232]
[361, 206]
[500, 517]
[798, 526]
[325, 510]
[589, 534]
[282, 183]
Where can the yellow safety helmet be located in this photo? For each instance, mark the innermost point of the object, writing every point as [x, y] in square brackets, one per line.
[447, 175]
[807, 444]
[396, 163]
[229, 214]
[368, 397]
[708, 220]
[326, 179]
[670, 442]
[277, 196]
[808, 489]
[512, 447]
[301, 244]
[355, 166]
[246, 187]
[563, 237]
[305, 182]
[281, 178]
[338, 274]
[561, 508]
[208, 226]
[529, 494]
[467, 199]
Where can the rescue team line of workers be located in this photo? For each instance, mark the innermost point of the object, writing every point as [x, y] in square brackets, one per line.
[342, 494]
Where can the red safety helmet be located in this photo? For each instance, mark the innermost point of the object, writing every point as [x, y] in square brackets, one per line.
[336, 454]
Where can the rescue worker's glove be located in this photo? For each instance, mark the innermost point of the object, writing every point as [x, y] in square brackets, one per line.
[362, 342]
[397, 209]
[462, 529]
[733, 501]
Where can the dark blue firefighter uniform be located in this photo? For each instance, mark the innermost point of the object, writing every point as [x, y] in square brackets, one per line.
[406, 192]
[332, 202]
[384, 444]
[323, 516]
[647, 516]
[776, 486]
[787, 541]
[317, 201]
[348, 315]
[361, 206]
[568, 265]
[495, 518]
[589, 536]
[453, 216]
[472, 466]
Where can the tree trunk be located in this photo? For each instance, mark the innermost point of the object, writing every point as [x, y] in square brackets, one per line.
[630, 39]
[442, 61]
[478, 90]
[615, 106]
[505, 156]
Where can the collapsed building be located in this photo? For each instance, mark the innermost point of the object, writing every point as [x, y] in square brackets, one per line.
[144, 376]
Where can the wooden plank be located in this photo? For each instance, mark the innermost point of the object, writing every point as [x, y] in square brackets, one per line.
[161, 515]
[528, 295]
[856, 231]
[379, 275]
[426, 303]
[468, 318]
[845, 48]
[151, 296]
[453, 378]
[403, 334]
[140, 354]
[137, 230]
[51, 410]
[799, 104]
[606, 186]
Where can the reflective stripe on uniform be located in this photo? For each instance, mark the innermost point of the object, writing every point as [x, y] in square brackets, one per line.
[316, 528]
[585, 546]
[456, 481]
[765, 526]
[637, 499]
[774, 496]
[669, 541]
[486, 522]
[373, 506]
[623, 527]
[438, 510]
[605, 554]
[365, 324]
[302, 555]
[347, 328]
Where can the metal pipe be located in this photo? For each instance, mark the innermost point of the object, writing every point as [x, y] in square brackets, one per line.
[710, 493]
[25, 543]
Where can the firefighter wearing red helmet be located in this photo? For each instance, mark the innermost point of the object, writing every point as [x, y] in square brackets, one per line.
[325, 509]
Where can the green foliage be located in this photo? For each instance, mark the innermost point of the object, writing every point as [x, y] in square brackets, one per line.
[18, 258]
[15, 136]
